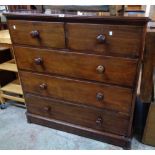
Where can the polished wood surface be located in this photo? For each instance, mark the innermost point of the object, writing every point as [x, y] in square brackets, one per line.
[101, 120]
[116, 70]
[43, 34]
[82, 92]
[82, 76]
[126, 19]
[120, 40]
[107, 137]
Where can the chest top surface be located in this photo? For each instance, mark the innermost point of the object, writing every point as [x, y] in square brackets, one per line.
[90, 17]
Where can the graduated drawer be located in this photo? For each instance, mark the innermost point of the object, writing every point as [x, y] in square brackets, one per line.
[81, 92]
[121, 71]
[102, 120]
[121, 40]
[44, 34]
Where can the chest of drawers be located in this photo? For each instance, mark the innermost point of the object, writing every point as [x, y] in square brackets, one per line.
[79, 74]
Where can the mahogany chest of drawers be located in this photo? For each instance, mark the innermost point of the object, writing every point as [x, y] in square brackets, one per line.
[79, 74]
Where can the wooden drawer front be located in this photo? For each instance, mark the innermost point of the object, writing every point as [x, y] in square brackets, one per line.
[95, 94]
[35, 33]
[124, 41]
[85, 66]
[102, 120]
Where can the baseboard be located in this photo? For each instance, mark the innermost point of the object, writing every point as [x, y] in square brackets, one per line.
[81, 131]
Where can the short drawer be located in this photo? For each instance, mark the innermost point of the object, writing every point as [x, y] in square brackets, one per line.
[81, 92]
[102, 120]
[114, 70]
[119, 40]
[44, 34]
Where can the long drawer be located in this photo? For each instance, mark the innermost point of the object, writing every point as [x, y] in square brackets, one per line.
[122, 40]
[81, 92]
[106, 69]
[44, 34]
[102, 120]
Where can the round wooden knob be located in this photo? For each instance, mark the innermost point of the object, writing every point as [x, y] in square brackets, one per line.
[100, 69]
[101, 38]
[46, 109]
[38, 61]
[99, 96]
[43, 86]
[99, 121]
[34, 34]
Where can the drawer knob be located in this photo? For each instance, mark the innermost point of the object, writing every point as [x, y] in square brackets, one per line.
[38, 61]
[47, 109]
[99, 96]
[100, 69]
[43, 86]
[99, 121]
[34, 34]
[101, 38]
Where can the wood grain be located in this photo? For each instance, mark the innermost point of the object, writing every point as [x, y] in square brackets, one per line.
[82, 92]
[55, 109]
[59, 67]
[107, 137]
[125, 19]
[50, 34]
[118, 71]
[124, 41]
